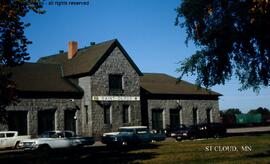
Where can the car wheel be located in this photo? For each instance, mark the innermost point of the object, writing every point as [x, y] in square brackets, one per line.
[178, 138]
[44, 148]
[17, 145]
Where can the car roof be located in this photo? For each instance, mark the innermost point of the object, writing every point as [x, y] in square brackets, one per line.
[59, 131]
[8, 132]
[133, 127]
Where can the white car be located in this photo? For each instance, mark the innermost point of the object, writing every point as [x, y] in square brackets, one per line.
[11, 139]
[53, 140]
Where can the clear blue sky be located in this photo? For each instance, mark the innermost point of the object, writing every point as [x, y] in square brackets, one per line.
[146, 30]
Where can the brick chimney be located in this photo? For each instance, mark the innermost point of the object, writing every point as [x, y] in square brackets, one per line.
[72, 49]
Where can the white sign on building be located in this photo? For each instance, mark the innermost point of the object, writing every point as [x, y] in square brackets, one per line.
[116, 98]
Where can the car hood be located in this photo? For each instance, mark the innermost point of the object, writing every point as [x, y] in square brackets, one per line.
[111, 134]
[37, 139]
[30, 140]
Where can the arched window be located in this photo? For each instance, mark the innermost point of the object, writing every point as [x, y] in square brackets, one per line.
[195, 116]
[126, 113]
[209, 115]
[107, 114]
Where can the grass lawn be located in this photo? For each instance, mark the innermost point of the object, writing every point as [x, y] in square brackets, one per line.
[242, 149]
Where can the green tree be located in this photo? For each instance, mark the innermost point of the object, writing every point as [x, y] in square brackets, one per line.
[232, 111]
[13, 43]
[260, 110]
[233, 37]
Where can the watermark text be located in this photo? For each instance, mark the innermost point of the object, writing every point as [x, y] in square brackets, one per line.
[244, 148]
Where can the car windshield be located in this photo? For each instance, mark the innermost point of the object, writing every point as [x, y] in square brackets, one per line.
[122, 130]
[2, 135]
[10, 134]
[142, 131]
[51, 135]
[193, 127]
[180, 127]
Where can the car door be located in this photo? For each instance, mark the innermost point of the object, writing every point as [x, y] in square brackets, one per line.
[10, 139]
[59, 141]
[2, 140]
[143, 135]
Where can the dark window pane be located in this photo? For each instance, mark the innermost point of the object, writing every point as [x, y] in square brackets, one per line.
[17, 121]
[125, 114]
[174, 118]
[157, 119]
[68, 134]
[107, 114]
[10, 134]
[208, 114]
[70, 122]
[194, 116]
[86, 114]
[45, 121]
[115, 84]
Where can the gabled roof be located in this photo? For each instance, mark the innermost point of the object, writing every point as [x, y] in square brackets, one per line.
[87, 60]
[156, 83]
[37, 77]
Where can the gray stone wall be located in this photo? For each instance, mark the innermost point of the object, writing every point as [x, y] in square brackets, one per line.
[116, 63]
[186, 110]
[86, 106]
[33, 106]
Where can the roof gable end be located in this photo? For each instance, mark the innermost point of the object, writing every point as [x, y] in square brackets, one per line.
[88, 59]
[109, 51]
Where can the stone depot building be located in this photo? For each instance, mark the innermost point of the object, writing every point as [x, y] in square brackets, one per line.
[99, 88]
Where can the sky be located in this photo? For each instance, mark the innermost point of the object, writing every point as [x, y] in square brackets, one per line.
[146, 30]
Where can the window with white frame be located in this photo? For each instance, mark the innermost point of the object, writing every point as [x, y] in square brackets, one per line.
[195, 116]
[209, 115]
[126, 113]
[107, 114]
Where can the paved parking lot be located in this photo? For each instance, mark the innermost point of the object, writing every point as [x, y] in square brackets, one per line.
[249, 129]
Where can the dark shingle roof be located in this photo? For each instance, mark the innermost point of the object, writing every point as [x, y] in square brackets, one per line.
[87, 60]
[37, 77]
[155, 83]
[50, 73]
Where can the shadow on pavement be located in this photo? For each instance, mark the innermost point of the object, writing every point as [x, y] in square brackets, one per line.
[98, 154]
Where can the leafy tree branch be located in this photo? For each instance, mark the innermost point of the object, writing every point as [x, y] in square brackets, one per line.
[233, 37]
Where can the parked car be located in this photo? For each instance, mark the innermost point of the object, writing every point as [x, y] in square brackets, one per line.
[56, 140]
[82, 140]
[185, 132]
[10, 139]
[158, 135]
[215, 130]
[129, 135]
[172, 131]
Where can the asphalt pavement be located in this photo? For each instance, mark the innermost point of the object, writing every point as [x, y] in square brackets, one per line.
[249, 129]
